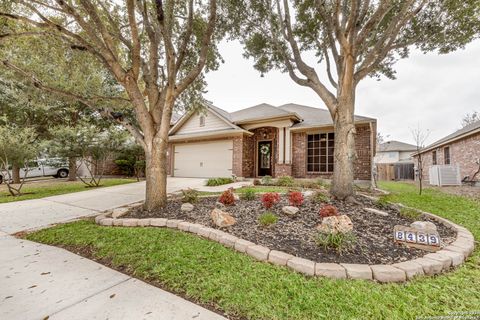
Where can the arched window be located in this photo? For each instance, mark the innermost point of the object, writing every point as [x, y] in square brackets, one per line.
[202, 121]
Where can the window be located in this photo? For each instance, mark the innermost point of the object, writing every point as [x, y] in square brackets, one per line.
[202, 121]
[434, 157]
[446, 155]
[320, 152]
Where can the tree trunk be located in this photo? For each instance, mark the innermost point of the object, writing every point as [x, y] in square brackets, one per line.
[16, 174]
[156, 175]
[72, 169]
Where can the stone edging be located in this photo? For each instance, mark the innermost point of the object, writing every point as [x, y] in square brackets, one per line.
[433, 263]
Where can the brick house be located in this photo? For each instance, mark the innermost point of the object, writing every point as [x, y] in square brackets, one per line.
[461, 148]
[262, 140]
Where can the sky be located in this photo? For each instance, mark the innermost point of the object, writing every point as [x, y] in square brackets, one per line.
[431, 91]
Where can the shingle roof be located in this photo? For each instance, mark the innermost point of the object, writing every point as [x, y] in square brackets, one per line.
[396, 146]
[263, 110]
[458, 133]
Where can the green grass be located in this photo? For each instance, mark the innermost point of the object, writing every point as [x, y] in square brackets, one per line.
[267, 219]
[240, 286]
[212, 182]
[53, 188]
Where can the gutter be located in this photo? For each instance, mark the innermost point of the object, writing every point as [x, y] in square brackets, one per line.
[435, 146]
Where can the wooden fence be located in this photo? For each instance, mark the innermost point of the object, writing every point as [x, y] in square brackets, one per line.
[395, 171]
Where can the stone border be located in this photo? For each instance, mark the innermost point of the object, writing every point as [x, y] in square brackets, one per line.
[450, 256]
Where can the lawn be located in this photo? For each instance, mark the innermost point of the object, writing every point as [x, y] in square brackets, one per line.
[36, 190]
[240, 287]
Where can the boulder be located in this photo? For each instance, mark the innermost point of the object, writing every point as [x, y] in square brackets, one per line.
[236, 197]
[219, 205]
[222, 219]
[118, 212]
[290, 210]
[424, 226]
[187, 207]
[336, 224]
[377, 212]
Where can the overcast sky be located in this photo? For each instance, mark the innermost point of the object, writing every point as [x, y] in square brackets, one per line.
[433, 91]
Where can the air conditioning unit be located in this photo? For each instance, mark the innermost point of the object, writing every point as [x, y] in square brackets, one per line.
[444, 175]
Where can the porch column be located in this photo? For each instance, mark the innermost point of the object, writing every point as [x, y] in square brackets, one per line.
[281, 145]
[288, 146]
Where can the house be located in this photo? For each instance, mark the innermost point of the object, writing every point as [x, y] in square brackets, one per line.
[394, 151]
[263, 140]
[460, 149]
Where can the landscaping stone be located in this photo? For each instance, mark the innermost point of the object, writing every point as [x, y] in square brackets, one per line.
[301, 265]
[308, 193]
[388, 273]
[117, 222]
[258, 252]
[445, 260]
[187, 207]
[158, 222]
[330, 270]
[336, 224]
[467, 245]
[130, 222]
[290, 210]
[118, 212]
[204, 231]
[106, 222]
[219, 205]
[242, 245]
[173, 223]
[194, 227]
[411, 269]
[236, 197]
[222, 219]
[457, 257]
[143, 222]
[215, 235]
[228, 240]
[424, 226]
[430, 267]
[279, 258]
[376, 211]
[463, 250]
[99, 218]
[184, 226]
[358, 271]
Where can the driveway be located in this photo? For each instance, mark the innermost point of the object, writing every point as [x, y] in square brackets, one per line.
[44, 282]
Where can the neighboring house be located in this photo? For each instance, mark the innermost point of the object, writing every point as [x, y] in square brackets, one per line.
[395, 151]
[262, 140]
[461, 148]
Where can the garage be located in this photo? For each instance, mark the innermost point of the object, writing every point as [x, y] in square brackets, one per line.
[203, 159]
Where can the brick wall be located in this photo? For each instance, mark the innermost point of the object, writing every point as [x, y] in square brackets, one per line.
[282, 170]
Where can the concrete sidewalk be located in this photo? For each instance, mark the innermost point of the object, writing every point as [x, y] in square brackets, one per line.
[39, 281]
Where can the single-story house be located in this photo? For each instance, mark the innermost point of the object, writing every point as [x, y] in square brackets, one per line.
[289, 140]
[394, 152]
[461, 148]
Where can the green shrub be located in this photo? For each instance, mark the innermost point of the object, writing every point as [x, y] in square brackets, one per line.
[337, 241]
[323, 183]
[267, 181]
[307, 184]
[189, 195]
[382, 202]
[320, 197]
[285, 181]
[249, 194]
[410, 213]
[212, 182]
[267, 219]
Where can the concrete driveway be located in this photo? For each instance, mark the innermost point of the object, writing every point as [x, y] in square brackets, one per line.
[43, 282]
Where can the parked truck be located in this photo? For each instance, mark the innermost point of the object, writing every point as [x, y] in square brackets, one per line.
[54, 167]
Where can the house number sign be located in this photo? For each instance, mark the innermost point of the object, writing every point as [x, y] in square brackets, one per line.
[411, 237]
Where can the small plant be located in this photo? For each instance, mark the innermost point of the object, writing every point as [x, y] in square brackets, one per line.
[212, 182]
[328, 211]
[337, 241]
[410, 213]
[295, 198]
[249, 194]
[270, 199]
[267, 181]
[189, 195]
[383, 203]
[227, 197]
[256, 182]
[267, 219]
[285, 181]
[323, 183]
[320, 197]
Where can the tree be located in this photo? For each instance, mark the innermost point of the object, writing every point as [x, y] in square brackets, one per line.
[470, 118]
[420, 136]
[155, 51]
[350, 40]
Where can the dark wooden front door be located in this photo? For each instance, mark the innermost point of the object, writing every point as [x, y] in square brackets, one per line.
[265, 158]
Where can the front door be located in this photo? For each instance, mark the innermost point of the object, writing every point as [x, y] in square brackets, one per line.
[264, 158]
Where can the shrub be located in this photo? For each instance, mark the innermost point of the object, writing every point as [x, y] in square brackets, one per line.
[320, 197]
[256, 182]
[249, 194]
[382, 202]
[227, 197]
[285, 181]
[212, 182]
[267, 219]
[410, 213]
[270, 199]
[323, 183]
[328, 211]
[267, 181]
[307, 184]
[336, 241]
[189, 195]
[295, 198]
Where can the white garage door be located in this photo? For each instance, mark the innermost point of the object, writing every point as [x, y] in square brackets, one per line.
[204, 159]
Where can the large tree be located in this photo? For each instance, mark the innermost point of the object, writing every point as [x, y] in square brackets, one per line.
[349, 40]
[156, 51]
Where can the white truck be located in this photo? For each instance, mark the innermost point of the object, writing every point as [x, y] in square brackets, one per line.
[55, 167]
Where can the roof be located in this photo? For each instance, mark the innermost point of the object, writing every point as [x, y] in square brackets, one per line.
[260, 111]
[396, 146]
[469, 129]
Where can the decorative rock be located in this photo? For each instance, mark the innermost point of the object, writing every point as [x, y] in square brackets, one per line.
[430, 267]
[308, 193]
[99, 218]
[290, 210]
[457, 257]
[130, 222]
[465, 244]
[330, 270]
[242, 245]
[194, 228]
[119, 212]
[173, 223]
[445, 260]
[236, 197]
[279, 258]
[463, 250]
[219, 205]
[336, 224]
[143, 222]
[187, 207]
[106, 222]
[158, 222]
[228, 240]
[184, 226]
[301, 265]
[424, 226]
[258, 252]
[222, 219]
[204, 231]
[215, 234]
[377, 212]
[410, 268]
[358, 271]
[386, 273]
[118, 222]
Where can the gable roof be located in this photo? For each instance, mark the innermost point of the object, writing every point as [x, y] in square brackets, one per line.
[260, 111]
[394, 145]
[465, 131]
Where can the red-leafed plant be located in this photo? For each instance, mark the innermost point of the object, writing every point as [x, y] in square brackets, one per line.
[227, 197]
[270, 199]
[328, 211]
[295, 198]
